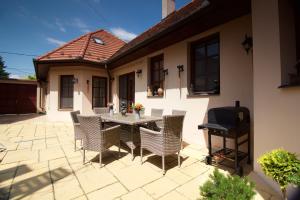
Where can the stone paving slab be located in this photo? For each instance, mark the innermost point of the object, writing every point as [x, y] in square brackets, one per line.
[41, 163]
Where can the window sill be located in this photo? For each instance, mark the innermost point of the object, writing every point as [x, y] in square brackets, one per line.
[288, 86]
[202, 94]
[155, 97]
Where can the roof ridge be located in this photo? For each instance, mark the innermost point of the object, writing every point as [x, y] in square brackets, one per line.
[86, 45]
[67, 43]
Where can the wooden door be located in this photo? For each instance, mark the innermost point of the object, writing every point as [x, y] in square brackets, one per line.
[127, 89]
[17, 98]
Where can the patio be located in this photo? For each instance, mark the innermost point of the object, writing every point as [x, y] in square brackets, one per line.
[41, 164]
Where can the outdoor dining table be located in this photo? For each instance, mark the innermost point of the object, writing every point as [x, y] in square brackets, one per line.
[130, 127]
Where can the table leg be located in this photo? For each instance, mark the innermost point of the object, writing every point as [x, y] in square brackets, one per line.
[131, 133]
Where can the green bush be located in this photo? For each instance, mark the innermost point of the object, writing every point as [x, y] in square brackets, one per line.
[282, 166]
[222, 187]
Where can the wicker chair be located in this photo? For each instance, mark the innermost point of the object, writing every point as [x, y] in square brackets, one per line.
[179, 112]
[165, 142]
[98, 139]
[156, 126]
[101, 110]
[78, 135]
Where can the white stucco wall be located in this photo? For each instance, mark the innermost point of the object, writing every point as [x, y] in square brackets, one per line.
[82, 91]
[235, 71]
[276, 111]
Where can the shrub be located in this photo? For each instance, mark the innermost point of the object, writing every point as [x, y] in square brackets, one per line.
[228, 187]
[282, 166]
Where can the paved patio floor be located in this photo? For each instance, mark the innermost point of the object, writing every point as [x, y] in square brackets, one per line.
[41, 163]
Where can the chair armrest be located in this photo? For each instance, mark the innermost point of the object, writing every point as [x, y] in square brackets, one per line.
[76, 124]
[111, 130]
[149, 132]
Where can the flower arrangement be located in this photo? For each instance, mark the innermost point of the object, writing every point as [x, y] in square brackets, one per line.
[137, 107]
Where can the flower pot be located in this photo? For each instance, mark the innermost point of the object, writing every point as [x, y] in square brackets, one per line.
[111, 112]
[137, 114]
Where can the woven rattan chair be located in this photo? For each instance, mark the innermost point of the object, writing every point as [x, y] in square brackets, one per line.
[155, 125]
[165, 142]
[98, 139]
[179, 112]
[78, 135]
[101, 110]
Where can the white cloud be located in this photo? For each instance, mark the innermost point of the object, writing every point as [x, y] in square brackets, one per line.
[60, 26]
[15, 76]
[79, 23]
[123, 34]
[55, 41]
[85, 30]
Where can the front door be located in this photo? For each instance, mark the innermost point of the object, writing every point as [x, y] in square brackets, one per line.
[127, 89]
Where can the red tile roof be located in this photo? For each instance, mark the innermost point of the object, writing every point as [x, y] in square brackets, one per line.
[85, 48]
[166, 23]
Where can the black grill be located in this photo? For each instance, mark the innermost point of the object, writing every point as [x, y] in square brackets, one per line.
[233, 123]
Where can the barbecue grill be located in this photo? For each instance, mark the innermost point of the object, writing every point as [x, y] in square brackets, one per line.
[233, 123]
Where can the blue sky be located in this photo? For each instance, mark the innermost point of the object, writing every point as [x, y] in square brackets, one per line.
[35, 27]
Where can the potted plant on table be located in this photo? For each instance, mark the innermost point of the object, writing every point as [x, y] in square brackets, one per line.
[137, 108]
[283, 167]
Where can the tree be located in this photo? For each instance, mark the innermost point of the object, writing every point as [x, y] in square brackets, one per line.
[3, 73]
[31, 77]
[224, 187]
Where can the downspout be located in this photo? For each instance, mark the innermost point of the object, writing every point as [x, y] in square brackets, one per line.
[109, 84]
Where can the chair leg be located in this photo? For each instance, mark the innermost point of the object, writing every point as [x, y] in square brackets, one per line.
[132, 154]
[83, 156]
[141, 155]
[119, 153]
[163, 165]
[75, 145]
[100, 159]
[178, 158]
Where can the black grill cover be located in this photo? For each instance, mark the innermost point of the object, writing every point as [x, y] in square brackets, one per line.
[228, 119]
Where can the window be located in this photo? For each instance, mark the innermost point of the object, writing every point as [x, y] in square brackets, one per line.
[98, 40]
[66, 91]
[156, 73]
[99, 91]
[205, 66]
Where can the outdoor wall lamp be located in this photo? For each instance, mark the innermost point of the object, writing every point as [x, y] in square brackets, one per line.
[180, 69]
[75, 80]
[247, 43]
[139, 72]
[165, 72]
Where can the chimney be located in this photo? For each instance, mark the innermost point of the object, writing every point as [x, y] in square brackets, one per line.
[168, 6]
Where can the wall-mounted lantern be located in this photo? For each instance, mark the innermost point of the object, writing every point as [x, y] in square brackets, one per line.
[247, 43]
[165, 72]
[75, 80]
[87, 86]
[180, 69]
[139, 72]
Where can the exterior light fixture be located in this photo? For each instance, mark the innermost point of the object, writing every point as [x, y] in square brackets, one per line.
[139, 72]
[180, 69]
[75, 80]
[165, 72]
[247, 43]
